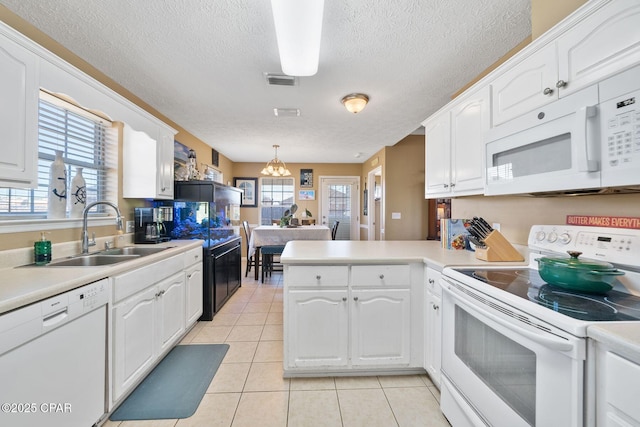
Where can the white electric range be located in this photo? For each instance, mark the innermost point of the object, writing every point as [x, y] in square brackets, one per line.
[514, 348]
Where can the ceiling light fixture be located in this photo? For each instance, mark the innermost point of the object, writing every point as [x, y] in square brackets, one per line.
[355, 102]
[276, 167]
[298, 29]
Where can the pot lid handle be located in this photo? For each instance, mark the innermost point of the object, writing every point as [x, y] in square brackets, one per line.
[574, 254]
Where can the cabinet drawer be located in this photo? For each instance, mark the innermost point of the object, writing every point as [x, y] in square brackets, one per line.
[380, 275]
[321, 275]
[134, 281]
[193, 256]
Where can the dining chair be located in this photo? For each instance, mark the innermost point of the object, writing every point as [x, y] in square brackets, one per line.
[334, 230]
[252, 261]
[269, 265]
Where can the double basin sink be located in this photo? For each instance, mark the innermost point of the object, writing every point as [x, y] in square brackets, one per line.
[106, 257]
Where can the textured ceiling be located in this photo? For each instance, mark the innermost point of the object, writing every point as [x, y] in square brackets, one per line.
[201, 63]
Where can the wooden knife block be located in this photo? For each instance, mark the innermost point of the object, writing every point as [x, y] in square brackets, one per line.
[498, 249]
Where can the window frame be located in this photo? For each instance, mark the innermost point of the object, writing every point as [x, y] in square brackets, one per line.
[279, 208]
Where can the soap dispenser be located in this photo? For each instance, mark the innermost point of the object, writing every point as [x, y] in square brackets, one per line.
[42, 249]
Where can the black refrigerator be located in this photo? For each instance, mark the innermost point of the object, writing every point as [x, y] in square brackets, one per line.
[211, 211]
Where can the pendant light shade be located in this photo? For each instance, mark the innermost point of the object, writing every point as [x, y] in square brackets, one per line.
[298, 29]
[355, 102]
[276, 167]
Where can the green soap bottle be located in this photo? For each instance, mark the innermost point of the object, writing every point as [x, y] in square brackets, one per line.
[42, 249]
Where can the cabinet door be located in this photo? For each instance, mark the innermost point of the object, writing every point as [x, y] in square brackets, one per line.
[165, 154]
[437, 133]
[530, 84]
[433, 339]
[134, 336]
[469, 121]
[139, 166]
[193, 293]
[170, 310]
[18, 116]
[381, 327]
[317, 328]
[601, 45]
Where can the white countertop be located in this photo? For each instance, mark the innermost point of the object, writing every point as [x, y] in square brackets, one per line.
[20, 286]
[363, 252]
[620, 338]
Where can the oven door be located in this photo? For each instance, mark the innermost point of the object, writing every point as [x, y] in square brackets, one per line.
[556, 148]
[506, 368]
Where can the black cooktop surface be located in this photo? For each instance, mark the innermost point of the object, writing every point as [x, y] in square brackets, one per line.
[527, 284]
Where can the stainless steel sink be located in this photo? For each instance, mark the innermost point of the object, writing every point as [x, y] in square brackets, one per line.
[133, 250]
[91, 260]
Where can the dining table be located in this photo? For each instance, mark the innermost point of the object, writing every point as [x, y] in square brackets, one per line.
[274, 235]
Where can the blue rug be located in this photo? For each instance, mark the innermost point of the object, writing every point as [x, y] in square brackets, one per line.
[176, 386]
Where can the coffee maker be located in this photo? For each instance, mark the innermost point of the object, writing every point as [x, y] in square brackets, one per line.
[150, 224]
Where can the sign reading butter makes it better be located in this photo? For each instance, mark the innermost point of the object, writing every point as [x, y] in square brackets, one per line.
[604, 221]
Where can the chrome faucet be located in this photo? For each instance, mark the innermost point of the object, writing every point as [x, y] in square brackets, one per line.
[85, 233]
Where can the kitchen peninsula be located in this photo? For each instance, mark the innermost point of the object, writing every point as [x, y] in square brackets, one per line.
[358, 307]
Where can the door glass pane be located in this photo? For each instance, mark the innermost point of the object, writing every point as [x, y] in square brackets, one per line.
[505, 366]
[340, 209]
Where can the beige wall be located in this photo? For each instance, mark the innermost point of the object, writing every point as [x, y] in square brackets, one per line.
[547, 13]
[517, 214]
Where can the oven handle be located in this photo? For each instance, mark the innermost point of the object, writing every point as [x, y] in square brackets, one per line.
[554, 344]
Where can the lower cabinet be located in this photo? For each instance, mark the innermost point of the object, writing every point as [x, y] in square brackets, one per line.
[144, 326]
[334, 323]
[433, 327]
[617, 387]
[193, 292]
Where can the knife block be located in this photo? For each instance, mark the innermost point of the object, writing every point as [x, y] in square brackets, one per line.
[498, 249]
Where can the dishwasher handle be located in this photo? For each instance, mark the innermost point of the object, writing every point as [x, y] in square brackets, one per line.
[54, 319]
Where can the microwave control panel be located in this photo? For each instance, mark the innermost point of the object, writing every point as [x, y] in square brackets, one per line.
[620, 129]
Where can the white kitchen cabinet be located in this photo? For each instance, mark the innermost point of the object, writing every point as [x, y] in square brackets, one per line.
[433, 328]
[318, 328]
[526, 86]
[147, 164]
[134, 346]
[193, 293]
[18, 115]
[600, 42]
[380, 327]
[148, 319]
[342, 318]
[171, 295]
[617, 380]
[454, 151]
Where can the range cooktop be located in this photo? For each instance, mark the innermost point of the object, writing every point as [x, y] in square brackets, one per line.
[526, 283]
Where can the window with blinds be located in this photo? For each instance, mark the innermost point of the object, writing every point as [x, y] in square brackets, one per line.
[276, 196]
[86, 140]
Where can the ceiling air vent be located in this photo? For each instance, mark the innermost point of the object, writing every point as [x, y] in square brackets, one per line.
[286, 112]
[280, 79]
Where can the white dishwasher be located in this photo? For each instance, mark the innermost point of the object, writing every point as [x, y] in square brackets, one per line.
[53, 360]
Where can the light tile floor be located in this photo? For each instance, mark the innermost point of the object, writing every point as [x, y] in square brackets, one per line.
[248, 389]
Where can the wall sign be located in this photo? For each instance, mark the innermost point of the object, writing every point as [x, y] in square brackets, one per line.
[604, 221]
[306, 178]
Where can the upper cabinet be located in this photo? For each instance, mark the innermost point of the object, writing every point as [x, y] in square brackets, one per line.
[18, 115]
[454, 154]
[604, 42]
[147, 164]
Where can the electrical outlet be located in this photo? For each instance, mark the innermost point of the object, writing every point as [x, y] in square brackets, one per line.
[496, 226]
[130, 227]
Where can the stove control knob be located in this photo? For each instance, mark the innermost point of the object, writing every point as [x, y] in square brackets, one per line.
[540, 235]
[565, 238]
[552, 237]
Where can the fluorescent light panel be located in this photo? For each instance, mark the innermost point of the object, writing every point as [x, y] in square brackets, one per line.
[298, 29]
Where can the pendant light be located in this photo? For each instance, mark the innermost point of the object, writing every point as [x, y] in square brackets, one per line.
[276, 167]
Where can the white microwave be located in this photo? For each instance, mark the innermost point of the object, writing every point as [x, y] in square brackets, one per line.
[587, 140]
[555, 148]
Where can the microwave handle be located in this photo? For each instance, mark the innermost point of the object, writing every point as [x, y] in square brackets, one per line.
[587, 144]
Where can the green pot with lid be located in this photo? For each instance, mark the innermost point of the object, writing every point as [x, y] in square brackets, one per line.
[576, 274]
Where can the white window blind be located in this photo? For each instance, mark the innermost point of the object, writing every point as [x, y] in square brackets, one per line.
[276, 196]
[85, 139]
